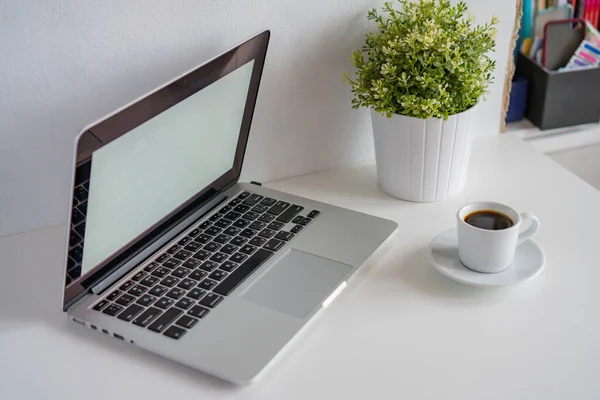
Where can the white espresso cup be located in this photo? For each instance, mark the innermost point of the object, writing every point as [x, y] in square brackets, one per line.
[492, 250]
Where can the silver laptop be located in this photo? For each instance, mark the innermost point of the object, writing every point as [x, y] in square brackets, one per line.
[167, 251]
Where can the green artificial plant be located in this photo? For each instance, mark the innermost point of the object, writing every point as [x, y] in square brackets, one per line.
[427, 59]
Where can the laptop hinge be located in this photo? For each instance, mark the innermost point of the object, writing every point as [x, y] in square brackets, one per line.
[142, 255]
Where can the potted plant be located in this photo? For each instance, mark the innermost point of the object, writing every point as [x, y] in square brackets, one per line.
[422, 74]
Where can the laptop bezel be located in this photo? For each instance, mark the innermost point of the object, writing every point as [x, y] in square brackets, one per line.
[143, 109]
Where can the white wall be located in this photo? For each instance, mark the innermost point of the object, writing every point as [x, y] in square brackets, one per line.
[66, 63]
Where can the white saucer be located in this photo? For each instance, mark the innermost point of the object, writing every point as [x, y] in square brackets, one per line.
[443, 253]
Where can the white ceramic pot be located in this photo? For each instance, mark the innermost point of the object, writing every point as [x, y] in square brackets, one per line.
[422, 159]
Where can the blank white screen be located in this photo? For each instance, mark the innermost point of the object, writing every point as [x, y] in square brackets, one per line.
[145, 174]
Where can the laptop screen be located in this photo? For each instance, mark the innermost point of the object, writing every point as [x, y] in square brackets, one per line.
[143, 166]
[142, 176]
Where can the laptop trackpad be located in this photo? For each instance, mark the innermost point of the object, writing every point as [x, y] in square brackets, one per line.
[297, 283]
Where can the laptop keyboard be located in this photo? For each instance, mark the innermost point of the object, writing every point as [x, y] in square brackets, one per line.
[192, 275]
[78, 212]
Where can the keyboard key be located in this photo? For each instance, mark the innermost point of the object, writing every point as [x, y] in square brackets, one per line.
[223, 223]
[260, 208]
[250, 216]
[217, 275]
[197, 275]
[198, 311]
[196, 293]
[174, 249]
[210, 300]
[243, 195]
[160, 272]
[182, 254]
[248, 233]
[204, 225]
[164, 303]
[235, 202]
[276, 225]
[191, 263]
[313, 214]
[297, 219]
[146, 300]
[130, 312]
[228, 266]
[267, 201]
[257, 225]
[165, 319]
[184, 303]
[202, 238]
[209, 266]
[214, 217]
[186, 321]
[137, 277]
[75, 272]
[229, 249]
[125, 299]
[113, 295]
[181, 272]
[238, 241]
[193, 247]
[241, 209]
[158, 290]
[267, 233]
[74, 239]
[137, 290]
[232, 231]
[171, 263]
[76, 216]
[238, 257]
[212, 246]
[273, 245]
[213, 231]
[225, 209]
[201, 255]
[241, 223]
[169, 281]
[232, 215]
[296, 229]
[252, 199]
[290, 213]
[266, 218]
[146, 317]
[151, 267]
[101, 304]
[112, 310]
[186, 284]
[305, 221]
[218, 257]
[76, 253]
[80, 193]
[162, 258]
[207, 284]
[222, 238]
[184, 240]
[283, 235]
[127, 285]
[241, 273]
[175, 293]
[175, 332]
[248, 249]
[278, 208]
[257, 241]
[195, 232]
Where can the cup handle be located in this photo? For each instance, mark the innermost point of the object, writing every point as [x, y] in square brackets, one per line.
[534, 226]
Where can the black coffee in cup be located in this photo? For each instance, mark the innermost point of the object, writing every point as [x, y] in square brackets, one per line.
[489, 219]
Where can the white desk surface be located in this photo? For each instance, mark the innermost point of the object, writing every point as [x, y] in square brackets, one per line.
[399, 331]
